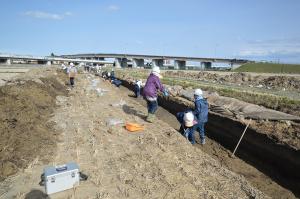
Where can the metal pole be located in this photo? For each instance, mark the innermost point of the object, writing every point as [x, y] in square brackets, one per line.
[240, 139]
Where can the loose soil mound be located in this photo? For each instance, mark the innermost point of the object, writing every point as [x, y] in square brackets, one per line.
[271, 82]
[26, 134]
[281, 130]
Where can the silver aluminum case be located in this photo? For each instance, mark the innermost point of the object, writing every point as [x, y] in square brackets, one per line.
[61, 177]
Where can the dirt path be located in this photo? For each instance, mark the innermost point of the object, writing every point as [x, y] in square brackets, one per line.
[155, 163]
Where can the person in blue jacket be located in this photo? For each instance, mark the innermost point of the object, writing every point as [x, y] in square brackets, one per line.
[201, 114]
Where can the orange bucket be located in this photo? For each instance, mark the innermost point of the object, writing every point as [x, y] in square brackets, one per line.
[134, 127]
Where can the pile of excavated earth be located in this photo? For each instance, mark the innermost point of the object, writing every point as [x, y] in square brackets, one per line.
[281, 127]
[248, 79]
[43, 122]
[25, 107]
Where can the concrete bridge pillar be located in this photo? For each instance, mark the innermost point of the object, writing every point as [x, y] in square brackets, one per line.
[118, 62]
[206, 65]
[48, 63]
[8, 61]
[138, 63]
[124, 63]
[121, 62]
[178, 64]
[98, 58]
[158, 62]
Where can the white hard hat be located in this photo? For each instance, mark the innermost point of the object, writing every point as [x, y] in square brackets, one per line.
[156, 69]
[188, 119]
[198, 92]
[71, 64]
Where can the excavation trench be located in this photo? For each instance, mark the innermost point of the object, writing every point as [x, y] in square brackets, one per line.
[273, 163]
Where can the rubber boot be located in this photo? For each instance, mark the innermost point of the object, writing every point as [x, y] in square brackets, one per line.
[203, 141]
[150, 118]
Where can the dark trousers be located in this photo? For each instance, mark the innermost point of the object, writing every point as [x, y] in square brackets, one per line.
[152, 106]
[200, 128]
[188, 133]
[72, 81]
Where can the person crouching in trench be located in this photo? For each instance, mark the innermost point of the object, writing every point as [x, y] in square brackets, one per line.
[188, 123]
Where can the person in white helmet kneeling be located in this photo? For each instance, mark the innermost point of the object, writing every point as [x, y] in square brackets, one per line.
[187, 121]
[201, 113]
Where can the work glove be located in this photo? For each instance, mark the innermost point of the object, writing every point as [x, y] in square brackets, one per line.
[166, 93]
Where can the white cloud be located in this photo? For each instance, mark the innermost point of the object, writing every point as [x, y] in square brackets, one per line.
[254, 52]
[46, 15]
[68, 13]
[272, 47]
[113, 8]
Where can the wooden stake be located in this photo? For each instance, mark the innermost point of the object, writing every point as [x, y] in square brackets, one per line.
[232, 155]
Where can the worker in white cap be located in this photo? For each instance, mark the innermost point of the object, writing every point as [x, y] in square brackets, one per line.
[72, 74]
[187, 121]
[201, 113]
[137, 88]
[153, 84]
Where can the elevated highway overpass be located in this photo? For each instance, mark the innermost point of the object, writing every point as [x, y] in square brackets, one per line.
[10, 58]
[121, 60]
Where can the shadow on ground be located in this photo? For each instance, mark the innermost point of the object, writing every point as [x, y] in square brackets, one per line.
[36, 194]
[131, 111]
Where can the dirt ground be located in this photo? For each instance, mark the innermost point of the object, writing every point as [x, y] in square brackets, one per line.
[154, 163]
[223, 155]
[277, 125]
[25, 107]
[7, 72]
[255, 80]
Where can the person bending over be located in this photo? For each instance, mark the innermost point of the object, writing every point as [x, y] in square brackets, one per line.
[152, 86]
[187, 121]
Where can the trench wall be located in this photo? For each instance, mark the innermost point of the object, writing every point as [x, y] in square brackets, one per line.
[256, 148]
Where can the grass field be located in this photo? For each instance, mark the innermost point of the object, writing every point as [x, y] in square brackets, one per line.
[269, 68]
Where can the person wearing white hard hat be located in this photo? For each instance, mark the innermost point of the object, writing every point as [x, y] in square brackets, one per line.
[72, 74]
[137, 88]
[201, 113]
[152, 85]
[187, 121]
[198, 92]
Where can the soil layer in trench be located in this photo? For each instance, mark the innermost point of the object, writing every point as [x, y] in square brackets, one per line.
[275, 186]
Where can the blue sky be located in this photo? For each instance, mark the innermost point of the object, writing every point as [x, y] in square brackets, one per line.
[252, 29]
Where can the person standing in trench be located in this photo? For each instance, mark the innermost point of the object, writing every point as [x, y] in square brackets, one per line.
[201, 113]
[153, 85]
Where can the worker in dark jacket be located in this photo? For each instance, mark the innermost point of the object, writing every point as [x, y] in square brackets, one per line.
[201, 113]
